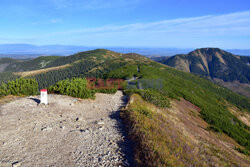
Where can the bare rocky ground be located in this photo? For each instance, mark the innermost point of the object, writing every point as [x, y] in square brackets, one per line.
[67, 132]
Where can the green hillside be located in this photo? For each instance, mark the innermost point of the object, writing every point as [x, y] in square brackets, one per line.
[82, 62]
[42, 62]
[12, 65]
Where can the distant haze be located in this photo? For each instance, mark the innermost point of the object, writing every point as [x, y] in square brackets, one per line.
[29, 51]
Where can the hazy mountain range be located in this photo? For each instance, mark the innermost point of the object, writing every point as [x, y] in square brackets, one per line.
[23, 51]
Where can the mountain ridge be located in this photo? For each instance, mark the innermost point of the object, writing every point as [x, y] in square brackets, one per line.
[229, 70]
[212, 62]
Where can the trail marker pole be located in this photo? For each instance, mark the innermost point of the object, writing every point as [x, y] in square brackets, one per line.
[44, 96]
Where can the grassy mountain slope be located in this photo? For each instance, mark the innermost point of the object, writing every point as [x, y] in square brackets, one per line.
[51, 69]
[210, 98]
[177, 136]
[26, 65]
[95, 63]
[12, 65]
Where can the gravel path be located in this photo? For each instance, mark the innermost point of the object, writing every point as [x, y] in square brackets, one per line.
[68, 132]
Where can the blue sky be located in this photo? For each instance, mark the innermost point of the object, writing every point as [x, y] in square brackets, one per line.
[127, 23]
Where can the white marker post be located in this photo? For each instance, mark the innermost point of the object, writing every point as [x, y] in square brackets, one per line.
[44, 96]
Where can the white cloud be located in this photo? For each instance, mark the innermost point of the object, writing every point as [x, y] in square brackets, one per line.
[228, 24]
[210, 28]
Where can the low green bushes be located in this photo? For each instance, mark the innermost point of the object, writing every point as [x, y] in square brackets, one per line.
[19, 87]
[151, 96]
[76, 87]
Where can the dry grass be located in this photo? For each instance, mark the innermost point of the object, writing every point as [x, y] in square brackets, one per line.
[36, 72]
[96, 69]
[204, 59]
[219, 56]
[243, 116]
[7, 99]
[182, 64]
[112, 54]
[157, 143]
[177, 136]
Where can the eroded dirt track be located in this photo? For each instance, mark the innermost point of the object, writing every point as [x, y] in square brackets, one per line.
[68, 132]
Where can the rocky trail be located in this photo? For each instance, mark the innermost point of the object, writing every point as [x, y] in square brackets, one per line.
[67, 132]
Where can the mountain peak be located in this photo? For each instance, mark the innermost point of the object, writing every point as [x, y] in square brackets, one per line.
[214, 63]
[209, 51]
